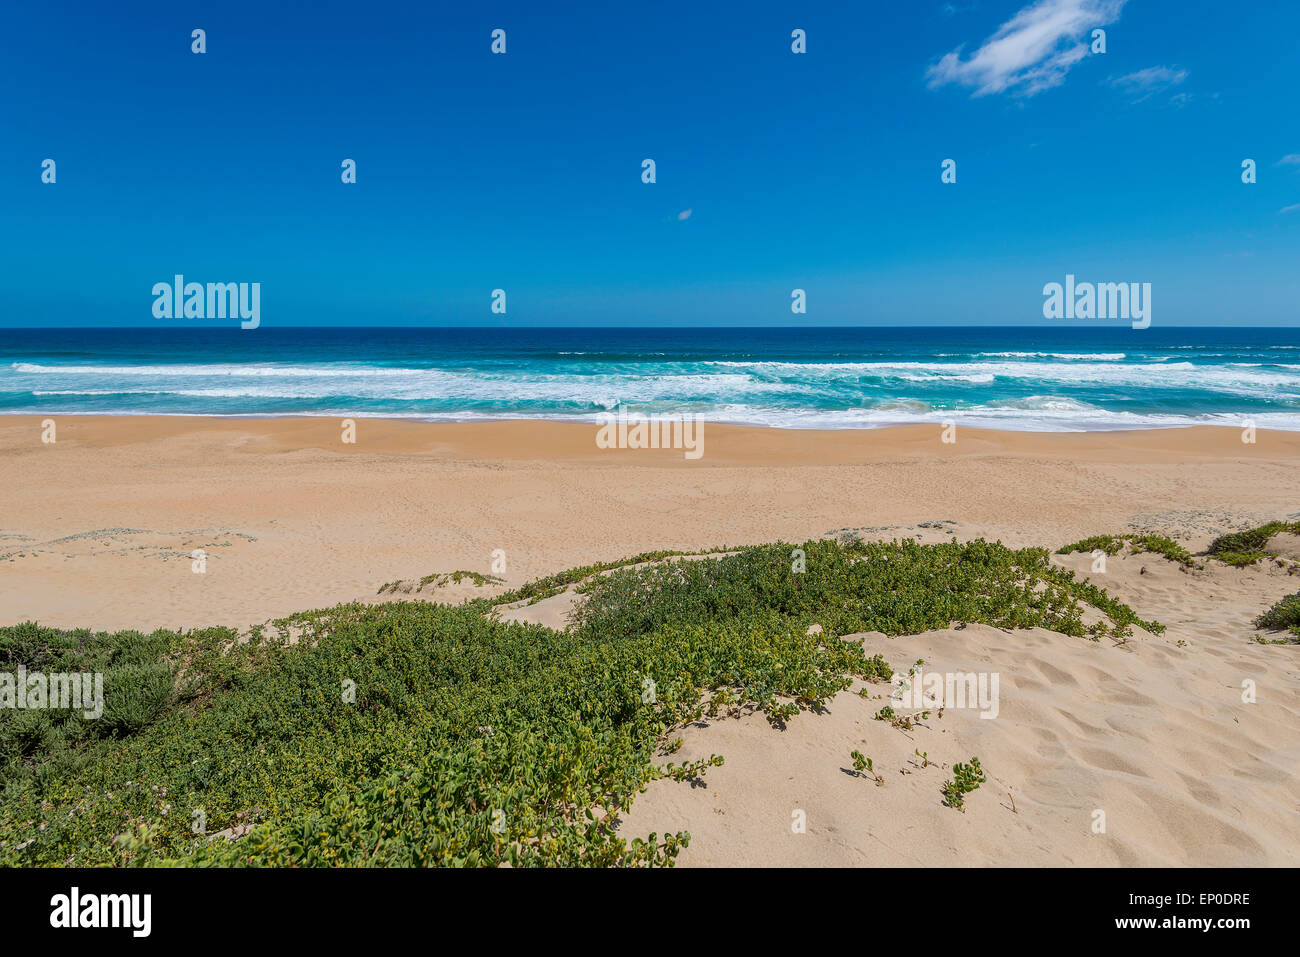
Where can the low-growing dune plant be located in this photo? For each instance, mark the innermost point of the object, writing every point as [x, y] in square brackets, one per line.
[904, 722]
[552, 585]
[1249, 546]
[440, 579]
[1285, 614]
[863, 763]
[965, 778]
[1136, 544]
[1241, 559]
[415, 733]
[896, 588]
[691, 769]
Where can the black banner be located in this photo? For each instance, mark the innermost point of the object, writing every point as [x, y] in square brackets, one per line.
[337, 907]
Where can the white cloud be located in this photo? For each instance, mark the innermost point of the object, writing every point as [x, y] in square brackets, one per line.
[1032, 51]
[1291, 159]
[685, 214]
[1149, 82]
[1289, 209]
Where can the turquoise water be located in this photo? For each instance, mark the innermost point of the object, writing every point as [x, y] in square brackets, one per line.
[1010, 378]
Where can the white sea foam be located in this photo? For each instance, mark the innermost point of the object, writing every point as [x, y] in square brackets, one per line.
[1066, 356]
[754, 376]
[233, 369]
[845, 394]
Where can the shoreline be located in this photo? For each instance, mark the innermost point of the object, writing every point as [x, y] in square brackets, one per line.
[594, 420]
[553, 440]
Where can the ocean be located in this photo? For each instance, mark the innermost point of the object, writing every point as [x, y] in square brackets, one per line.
[1062, 379]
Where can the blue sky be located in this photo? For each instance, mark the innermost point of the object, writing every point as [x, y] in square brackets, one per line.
[819, 171]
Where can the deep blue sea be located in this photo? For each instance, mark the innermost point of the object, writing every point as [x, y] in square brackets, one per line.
[1006, 377]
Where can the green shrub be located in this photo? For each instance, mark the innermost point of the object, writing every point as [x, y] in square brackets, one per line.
[1114, 544]
[1284, 614]
[897, 588]
[1241, 559]
[1110, 544]
[135, 695]
[551, 585]
[1248, 547]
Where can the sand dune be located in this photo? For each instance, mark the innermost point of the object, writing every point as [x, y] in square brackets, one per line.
[1154, 735]
[1136, 753]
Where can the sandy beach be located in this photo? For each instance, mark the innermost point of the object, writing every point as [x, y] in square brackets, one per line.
[98, 526]
[97, 530]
